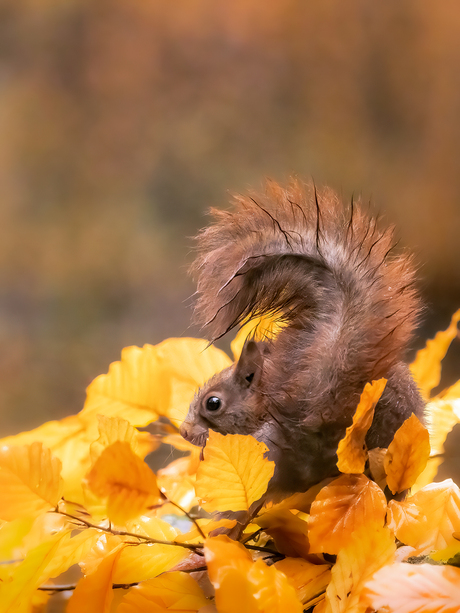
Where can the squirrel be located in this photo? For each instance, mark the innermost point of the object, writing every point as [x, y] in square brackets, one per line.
[348, 305]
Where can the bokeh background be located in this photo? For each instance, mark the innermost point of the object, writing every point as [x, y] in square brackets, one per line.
[122, 121]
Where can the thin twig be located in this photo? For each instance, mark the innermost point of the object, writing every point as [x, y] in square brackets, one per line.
[187, 514]
[251, 536]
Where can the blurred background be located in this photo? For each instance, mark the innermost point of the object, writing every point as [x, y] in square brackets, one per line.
[122, 121]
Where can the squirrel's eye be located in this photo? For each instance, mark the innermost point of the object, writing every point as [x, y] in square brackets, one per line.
[213, 403]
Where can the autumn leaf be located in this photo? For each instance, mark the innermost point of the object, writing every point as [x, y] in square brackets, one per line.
[259, 328]
[288, 531]
[17, 590]
[94, 593]
[147, 560]
[414, 588]
[429, 519]
[441, 417]
[234, 473]
[177, 480]
[366, 552]
[113, 429]
[256, 587]
[426, 367]
[341, 508]
[124, 481]
[30, 481]
[174, 591]
[309, 580]
[376, 458]
[407, 455]
[352, 451]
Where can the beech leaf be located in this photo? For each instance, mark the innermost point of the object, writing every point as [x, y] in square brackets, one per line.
[256, 587]
[174, 591]
[30, 481]
[124, 481]
[309, 580]
[341, 508]
[366, 552]
[429, 519]
[352, 451]
[414, 588]
[426, 367]
[407, 455]
[234, 472]
[289, 532]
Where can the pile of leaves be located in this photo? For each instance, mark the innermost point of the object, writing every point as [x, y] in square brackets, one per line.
[79, 492]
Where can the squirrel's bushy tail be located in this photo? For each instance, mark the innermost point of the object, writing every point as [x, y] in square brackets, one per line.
[325, 268]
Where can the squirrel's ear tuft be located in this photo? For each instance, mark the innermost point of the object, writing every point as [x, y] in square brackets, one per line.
[249, 367]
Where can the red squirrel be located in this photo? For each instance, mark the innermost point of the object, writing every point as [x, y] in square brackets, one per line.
[349, 307]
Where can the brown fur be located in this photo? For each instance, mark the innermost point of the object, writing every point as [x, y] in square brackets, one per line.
[350, 306]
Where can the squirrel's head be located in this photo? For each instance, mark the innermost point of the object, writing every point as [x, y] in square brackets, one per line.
[227, 403]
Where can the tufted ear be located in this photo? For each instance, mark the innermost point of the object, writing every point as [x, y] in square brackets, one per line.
[249, 367]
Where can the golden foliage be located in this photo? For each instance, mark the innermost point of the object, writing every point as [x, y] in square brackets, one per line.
[408, 588]
[30, 481]
[105, 510]
[342, 508]
[407, 455]
[234, 473]
[352, 451]
[124, 481]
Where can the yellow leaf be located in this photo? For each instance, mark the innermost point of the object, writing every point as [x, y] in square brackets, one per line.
[309, 580]
[407, 455]
[414, 588]
[428, 475]
[256, 587]
[259, 328]
[352, 451]
[177, 480]
[94, 593]
[428, 520]
[187, 363]
[112, 429]
[207, 526]
[234, 473]
[426, 367]
[30, 481]
[376, 457]
[341, 508]
[366, 552]
[288, 531]
[174, 591]
[125, 481]
[153, 381]
[11, 536]
[145, 561]
[17, 591]
[441, 417]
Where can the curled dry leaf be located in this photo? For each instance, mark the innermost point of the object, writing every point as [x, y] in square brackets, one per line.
[426, 367]
[124, 481]
[234, 473]
[174, 591]
[288, 531]
[414, 588]
[341, 508]
[352, 451]
[30, 481]
[365, 552]
[256, 587]
[407, 455]
[429, 519]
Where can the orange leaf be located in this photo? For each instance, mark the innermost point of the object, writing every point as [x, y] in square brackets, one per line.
[352, 451]
[259, 328]
[289, 532]
[94, 593]
[426, 367]
[428, 520]
[414, 588]
[342, 507]
[366, 552]
[30, 481]
[112, 429]
[441, 417]
[256, 587]
[174, 591]
[407, 455]
[309, 580]
[234, 473]
[125, 481]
